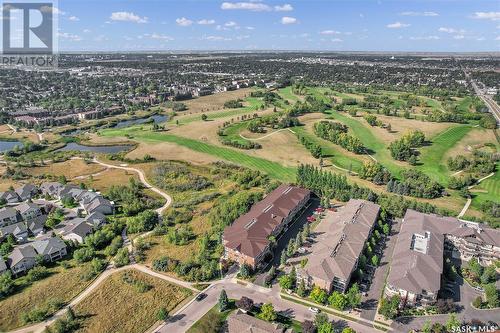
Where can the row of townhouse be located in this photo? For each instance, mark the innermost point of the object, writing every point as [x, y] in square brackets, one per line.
[26, 256]
[247, 239]
[340, 241]
[423, 242]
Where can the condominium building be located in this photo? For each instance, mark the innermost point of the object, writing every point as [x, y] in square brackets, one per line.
[247, 239]
[424, 240]
[340, 240]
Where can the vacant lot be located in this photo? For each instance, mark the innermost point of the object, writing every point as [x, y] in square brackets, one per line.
[104, 180]
[170, 151]
[69, 168]
[119, 306]
[62, 285]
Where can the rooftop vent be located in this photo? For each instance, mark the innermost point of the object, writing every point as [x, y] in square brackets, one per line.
[250, 224]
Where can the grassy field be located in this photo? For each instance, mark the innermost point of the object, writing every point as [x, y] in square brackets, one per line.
[118, 306]
[431, 158]
[273, 169]
[62, 285]
[212, 321]
[488, 189]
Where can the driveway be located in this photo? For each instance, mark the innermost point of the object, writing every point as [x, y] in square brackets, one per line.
[370, 301]
[193, 311]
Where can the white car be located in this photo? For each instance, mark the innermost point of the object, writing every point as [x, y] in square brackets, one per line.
[313, 309]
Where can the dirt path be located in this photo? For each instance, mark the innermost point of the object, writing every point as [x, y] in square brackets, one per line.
[142, 177]
[267, 135]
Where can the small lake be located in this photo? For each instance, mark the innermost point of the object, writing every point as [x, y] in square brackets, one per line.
[95, 149]
[8, 145]
[157, 118]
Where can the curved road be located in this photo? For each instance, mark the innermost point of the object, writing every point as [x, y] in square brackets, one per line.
[142, 177]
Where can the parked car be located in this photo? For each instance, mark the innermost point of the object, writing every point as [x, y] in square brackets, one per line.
[313, 309]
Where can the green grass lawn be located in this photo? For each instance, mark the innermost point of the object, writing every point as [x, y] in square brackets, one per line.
[287, 93]
[491, 188]
[212, 321]
[377, 147]
[273, 169]
[334, 153]
[431, 157]
[233, 131]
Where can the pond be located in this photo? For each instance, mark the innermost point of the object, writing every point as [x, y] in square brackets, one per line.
[95, 149]
[157, 118]
[8, 145]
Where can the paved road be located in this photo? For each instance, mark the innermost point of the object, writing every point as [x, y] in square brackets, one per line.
[370, 301]
[492, 105]
[142, 177]
[192, 312]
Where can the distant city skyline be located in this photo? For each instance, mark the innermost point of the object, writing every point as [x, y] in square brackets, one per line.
[406, 26]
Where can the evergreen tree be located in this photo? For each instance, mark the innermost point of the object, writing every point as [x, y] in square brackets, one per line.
[223, 301]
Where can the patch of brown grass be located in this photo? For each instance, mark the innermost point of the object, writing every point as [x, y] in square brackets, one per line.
[63, 285]
[116, 306]
[108, 178]
[213, 102]
[69, 168]
[170, 151]
[476, 138]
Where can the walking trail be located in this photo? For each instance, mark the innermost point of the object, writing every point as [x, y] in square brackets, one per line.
[469, 200]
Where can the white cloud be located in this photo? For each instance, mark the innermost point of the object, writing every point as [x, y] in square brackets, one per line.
[158, 36]
[285, 8]
[419, 14]
[241, 37]
[494, 16]
[73, 18]
[337, 40]
[480, 39]
[425, 38]
[362, 15]
[330, 32]
[128, 17]
[183, 22]
[206, 22]
[252, 6]
[250, 28]
[288, 20]
[230, 24]
[69, 36]
[451, 30]
[458, 37]
[397, 25]
[216, 38]
[87, 31]
[498, 38]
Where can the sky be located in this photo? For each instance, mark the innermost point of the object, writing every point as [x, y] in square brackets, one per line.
[328, 25]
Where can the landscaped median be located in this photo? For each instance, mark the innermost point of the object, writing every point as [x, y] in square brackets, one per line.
[378, 325]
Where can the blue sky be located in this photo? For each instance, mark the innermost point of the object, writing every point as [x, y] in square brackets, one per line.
[355, 25]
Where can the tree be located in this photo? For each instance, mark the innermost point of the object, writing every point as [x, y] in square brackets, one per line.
[70, 314]
[491, 293]
[375, 260]
[348, 330]
[204, 117]
[308, 327]
[283, 258]
[223, 301]
[245, 271]
[285, 282]
[353, 296]
[301, 289]
[162, 314]
[489, 275]
[267, 312]
[318, 295]
[84, 254]
[6, 284]
[478, 302]
[452, 323]
[320, 319]
[245, 303]
[326, 328]
[122, 257]
[427, 328]
[389, 307]
[338, 301]
[386, 229]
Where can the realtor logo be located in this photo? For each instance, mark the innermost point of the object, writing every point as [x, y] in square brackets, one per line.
[27, 27]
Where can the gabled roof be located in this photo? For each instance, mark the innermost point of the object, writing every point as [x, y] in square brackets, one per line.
[341, 238]
[36, 223]
[79, 227]
[49, 245]
[95, 218]
[239, 322]
[7, 212]
[248, 234]
[52, 188]
[26, 206]
[96, 203]
[26, 190]
[9, 196]
[13, 229]
[21, 252]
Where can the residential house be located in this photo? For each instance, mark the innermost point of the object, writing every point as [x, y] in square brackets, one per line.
[77, 231]
[247, 239]
[99, 205]
[51, 189]
[28, 210]
[423, 241]
[240, 322]
[341, 238]
[51, 249]
[22, 259]
[27, 191]
[8, 216]
[18, 230]
[96, 219]
[9, 197]
[36, 225]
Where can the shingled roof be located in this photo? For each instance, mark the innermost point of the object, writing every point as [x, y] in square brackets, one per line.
[248, 234]
[340, 241]
[239, 322]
